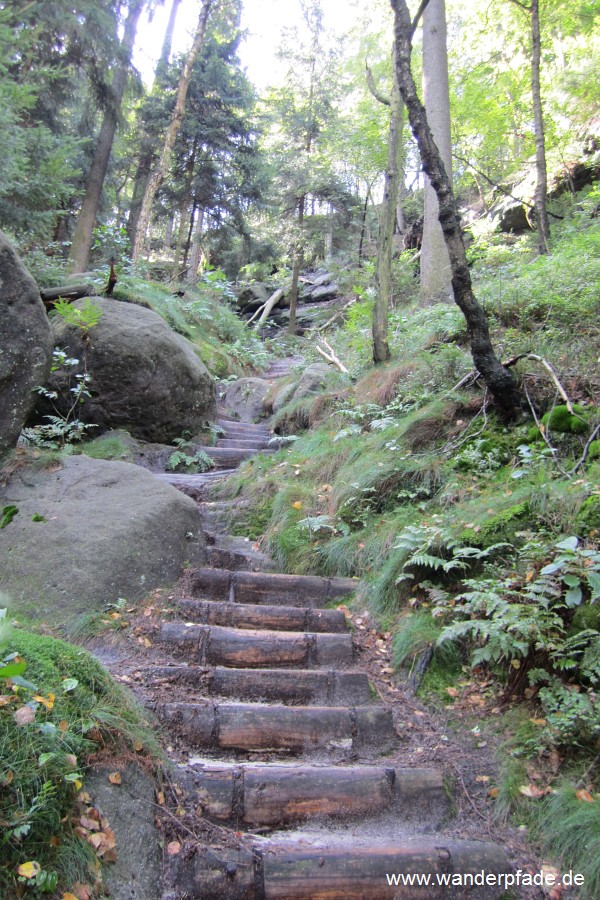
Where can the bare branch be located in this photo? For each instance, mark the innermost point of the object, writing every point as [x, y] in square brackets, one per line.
[500, 188]
[415, 22]
[330, 356]
[381, 98]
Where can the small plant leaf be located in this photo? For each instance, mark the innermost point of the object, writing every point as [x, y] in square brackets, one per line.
[69, 684]
[13, 669]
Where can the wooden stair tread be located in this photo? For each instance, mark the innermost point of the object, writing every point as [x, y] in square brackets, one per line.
[291, 729]
[321, 687]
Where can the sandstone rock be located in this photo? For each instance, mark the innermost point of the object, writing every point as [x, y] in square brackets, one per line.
[245, 397]
[144, 377]
[251, 296]
[312, 380]
[90, 532]
[25, 344]
[137, 872]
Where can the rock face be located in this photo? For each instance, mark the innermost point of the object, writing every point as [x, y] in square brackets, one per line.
[144, 377]
[137, 871]
[91, 532]
[245, 398]
[25, 344]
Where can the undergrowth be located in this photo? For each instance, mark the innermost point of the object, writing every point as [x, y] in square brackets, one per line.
[58, 706]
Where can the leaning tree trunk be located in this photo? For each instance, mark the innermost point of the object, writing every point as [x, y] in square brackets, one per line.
[82, 238]
[387, 223]
[158, 175]
[498, 379]
[436, 276]
[541, 185]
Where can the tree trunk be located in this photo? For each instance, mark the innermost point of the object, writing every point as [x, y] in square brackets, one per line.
[184, 207]
[436, 275]
[82, 238]
[498, 379]
[387, 222]
[298, 257]
[541, 185]
[158, 175]
[165, 53]
[196, 251]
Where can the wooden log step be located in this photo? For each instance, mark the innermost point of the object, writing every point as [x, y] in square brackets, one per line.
[301, 687]
[228, 458]
[246, 648]
[291, 729]
[278, 618]
[269, 588]
[253, 795]
[357, 871]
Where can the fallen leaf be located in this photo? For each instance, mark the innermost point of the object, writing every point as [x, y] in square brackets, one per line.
[585, 796]
[115, 778]
[24, 716]
[160, 798]
[63, 726]
[494, 792]
[55, 841]
[452, 692]
[138, 746]
[297, 503]
[173, 848]
[483, 778]
[29, 869]
[69, 896]
[82, 891]
[532, 791]
[539, 722]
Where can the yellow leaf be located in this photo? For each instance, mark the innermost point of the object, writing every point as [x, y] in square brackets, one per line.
[115, 778]
[515, 663]
[63, 726]
[48, 702]
[483, 778]
[297, 504]
[69, 896]
[585, 796]
[29, 869]
[539, 722]
[138, 746]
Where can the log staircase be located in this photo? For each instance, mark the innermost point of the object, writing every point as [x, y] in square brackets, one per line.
[279, 738]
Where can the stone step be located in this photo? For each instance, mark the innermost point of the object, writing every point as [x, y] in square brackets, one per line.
[227, 421]
[269, 587]
[303, 687]
[355, 869]
[194, 485]
[277, 618]
[244, 443]
[245, 648]
[282, 795]
[288, 729]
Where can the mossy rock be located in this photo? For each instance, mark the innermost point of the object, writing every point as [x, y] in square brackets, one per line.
[560, 419]
[588, 518]
[497, 528]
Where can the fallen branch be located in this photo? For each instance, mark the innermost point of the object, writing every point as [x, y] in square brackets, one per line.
[336, 315]
[542, 431]
[67, 292]
[265, 310]
[331, 357]
[586, 450]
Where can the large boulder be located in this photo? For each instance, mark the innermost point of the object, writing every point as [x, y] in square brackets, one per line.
[25, 344]
[144, 377]
[245, 398]
[90, 532]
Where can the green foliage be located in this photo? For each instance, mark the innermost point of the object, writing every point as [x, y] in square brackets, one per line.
[570, 830]
[194, 462]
